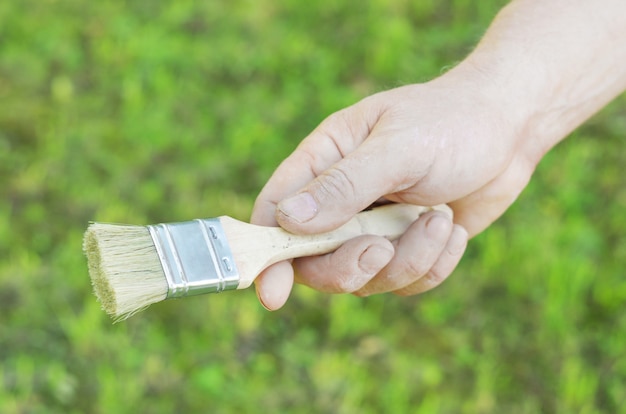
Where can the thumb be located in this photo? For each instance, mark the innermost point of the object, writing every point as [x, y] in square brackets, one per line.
[344, 189]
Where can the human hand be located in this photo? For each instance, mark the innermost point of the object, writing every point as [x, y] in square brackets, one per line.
[446, 141]
[470, 138]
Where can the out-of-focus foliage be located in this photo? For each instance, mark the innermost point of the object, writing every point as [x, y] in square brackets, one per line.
[146, 111]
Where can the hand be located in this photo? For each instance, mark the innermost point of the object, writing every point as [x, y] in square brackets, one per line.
[470, 138]
[446, 141]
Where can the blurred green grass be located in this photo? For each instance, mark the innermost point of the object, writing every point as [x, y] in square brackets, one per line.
[145, 112]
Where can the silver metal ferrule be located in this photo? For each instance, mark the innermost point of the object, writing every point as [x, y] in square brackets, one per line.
[195, 257]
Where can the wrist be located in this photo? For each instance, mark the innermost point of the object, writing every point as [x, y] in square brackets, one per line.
[551, 65]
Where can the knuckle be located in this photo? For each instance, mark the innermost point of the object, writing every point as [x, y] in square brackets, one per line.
[415, 268]
[361, 293]
[345, 284]
[433, 278]
[336, 182]
[336, 121]
[428, 282]
[405, 292]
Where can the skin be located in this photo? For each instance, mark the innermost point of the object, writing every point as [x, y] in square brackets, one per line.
[470, 138]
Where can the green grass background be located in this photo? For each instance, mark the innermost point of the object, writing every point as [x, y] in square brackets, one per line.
[145, 112]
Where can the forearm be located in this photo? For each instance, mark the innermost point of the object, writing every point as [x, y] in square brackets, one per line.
[553, 63]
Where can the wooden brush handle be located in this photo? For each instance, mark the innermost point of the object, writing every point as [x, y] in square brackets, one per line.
[256, 247]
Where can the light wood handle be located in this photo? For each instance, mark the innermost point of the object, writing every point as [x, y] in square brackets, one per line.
[256, 247]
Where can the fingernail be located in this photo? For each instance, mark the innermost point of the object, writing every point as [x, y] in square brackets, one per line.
[261, 301]
[438, 226]
[374, 258]
[458, 240]
[301, 207]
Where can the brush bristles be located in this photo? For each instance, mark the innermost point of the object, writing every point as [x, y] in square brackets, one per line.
[124, 267]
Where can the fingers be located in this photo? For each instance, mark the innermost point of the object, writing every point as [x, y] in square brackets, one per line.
[416, 253]
[419, 261]
[341, 191]
[274, 285]
[338, 135]
[378, 167]
[443, 267]
[430, 249]
[349, 268]
[367, 163]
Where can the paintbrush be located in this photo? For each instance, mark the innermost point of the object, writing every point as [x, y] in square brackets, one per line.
[132, 266]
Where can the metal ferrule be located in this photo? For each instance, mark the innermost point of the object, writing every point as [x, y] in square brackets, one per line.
[195, 257]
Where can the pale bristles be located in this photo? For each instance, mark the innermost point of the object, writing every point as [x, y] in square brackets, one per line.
[124, 267]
